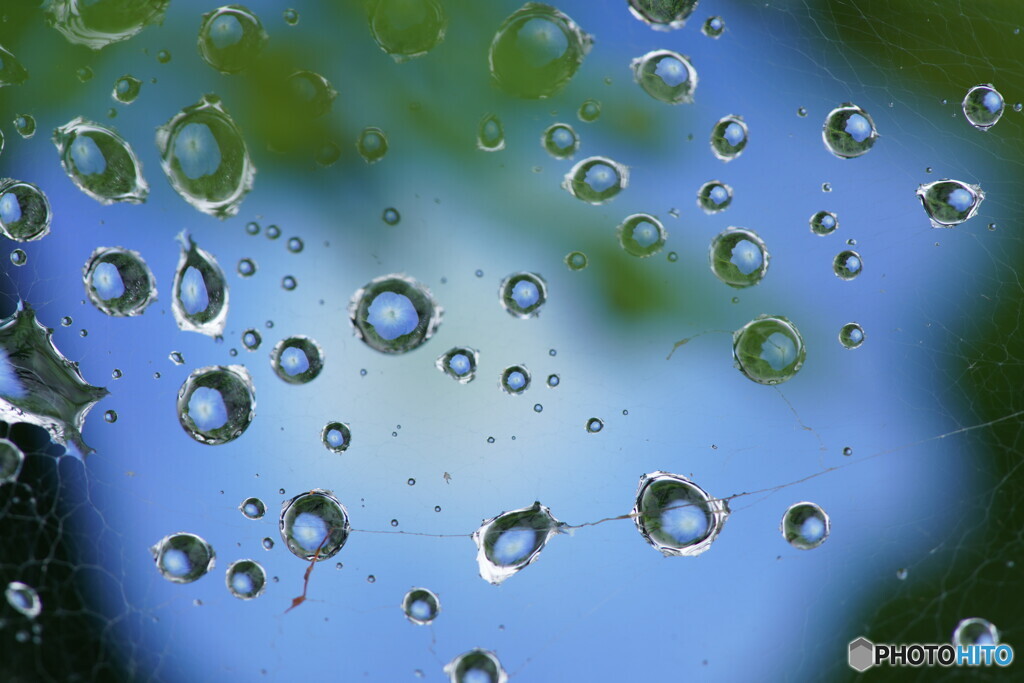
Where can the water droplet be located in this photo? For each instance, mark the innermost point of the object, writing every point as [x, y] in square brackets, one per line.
[476, 666]
[391, 216]
[253, 508]
[851, 335]
[203, 153]
[246, 579]
[289, 283]
[826, 187]
[216, 403]
[673, 256]
[523, 294]
[295, 245]
[553, 380]
[394, 314]
[594, 425]
[677, 516]
[66, 321]
[183, 557]
[479, 273]
[901, 574]
[947, 202]
[100, 162]
[336, 436]
[642, 235]
[246, 267]
[97, 24]
[268, 543]
[273, 232]
[110, 416]
[596, 180]
[372, 145]
[24, 211]
[83, 333]
[490, 439]
[576, 260]
[983, 106]
[126, 89]
[251, 339]
[200, 298]
[824, 223]
[230, 38]
[975, 631]
[118, 281]
[23, 598]
[371, 579]
[407, 28]
[738, 257]
[490, 134]
[560, 140]
[116, 373]
[252, 228]
[805, 525]
[536, 51]
[459, 363]
[1018, 107]
[314, 525]
[512, 540]
[714, 196]
[19, 257]
[11, 70]
[729, 137]
[11, 461]
[25, 124]
[84, 74]
[589, 111]
[847, 265]
[297, 360]
[515, 379]
[666, 76]
[663, 14]
[848, 132]
[421, 606]
[768, 349]
[847, 451]
[801, 112]
[713, 27]
[310, 94]
[291, 16]
[163, 56]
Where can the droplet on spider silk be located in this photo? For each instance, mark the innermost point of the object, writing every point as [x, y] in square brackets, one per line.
[297, 360]
[12, 72]
[459, 363]
[676, 516]
[768, 349]
[522, 295]
[372, 144]
[729, 137]
[24, 599]
[975, 631]
[805, 525]
[100, 162]
[847, 264]
[666, 76]
[515, 379]
[216, 404]
[246, 579]
[200, 292]
[824, 223]
[848, 131]
[560, 140]
[336, 437]
[421, 606]
[947, 202]
[126, 89]
[98, 23]
[983, 106]
[407, 28]
[205, 158]
[663, 15]
[738, 257]
[230, 38]
[851, 335]
[713, 27]
[394, 314]
[714, 196]
[183, 557]
[490, 134]
[642, 235]
[512, 540]
[118, 282]
[596, 180]
[476, 666]
[253, 508]
[25, 213]
[314, 525]
[536, 51]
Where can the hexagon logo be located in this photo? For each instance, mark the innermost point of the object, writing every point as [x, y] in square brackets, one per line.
[862, 654]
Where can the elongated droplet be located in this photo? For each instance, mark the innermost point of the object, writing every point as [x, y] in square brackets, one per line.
[118, 281]
[490, 135]
[676, 516]
[24, 599]
[98, 23]
[217, 403]
[948, 202]
[200, 291]
[183, 557]
[126, 89]
[509, 542]
[100, 162]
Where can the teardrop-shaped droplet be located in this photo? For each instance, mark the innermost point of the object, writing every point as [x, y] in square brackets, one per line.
[421, 606]
[118, 281]
[642, 235]
[476, 666]
[200, 292]
[183, 557]
[947, 202]
[522, 295]
[407, 28]
[676, 516]
[983, 106]
[97, 23]
[666, 76]
[560, 140]
[216, 404]
[394, 314]
[100, 162]
[490, 134]
[663, 14]
[24, 599]
[314, 525]
[246, 579]
[768, 349]
[596, 180]
[805, 525]
[24, 211]
[297, 360]
[729, 137]
[849, 131]
[714, 196]
[512, 540]
[230, 38]
[738, 257]
[126, 89]
[11, 70]
[459, 363]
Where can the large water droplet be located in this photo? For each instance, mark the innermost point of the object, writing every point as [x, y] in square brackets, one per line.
[253, 508]
[666, 76]
[768, 349]
[476, 666]
[394, 314]
[983, 106]
[490, 134]
[23, 598]
[314, 525]
[297, 360]
[200, 292]
[11, 461]
[407, 28]
[118, 282]
[805, 525]
[560, 140]
[100, 162]
[372, 145]
[663, 14]
[536, 51]
[851, 335]
[824, 223]
[216, 404]
[97, 23]
[847, 264]
[203, 153]
[24, 211]
[523, 294]
[183, 557]
[947, 202]
[246, 579]
[126, 89]
[676, 516]
[642, 235]
[729, 137]
[596, 180]
[714, 196]
[975, 631]
[515, 379]
[336, 436]
[230, 38]
[421, 606]
[512, 540]
[849, 131]
[11, 70]
[738, 257]
[459, 363]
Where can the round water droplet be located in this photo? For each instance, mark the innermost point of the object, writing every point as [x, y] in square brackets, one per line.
[311, 94]
[116, 373]
[25, 124]
[576, 260]
[314, 525]
[713, 27]
[11, 461]
[230, 38]
[642, 235]
[394, 314]
[289, 283]
[98, 23]
[673, 256]
[268, 543]
[975, 631]
[714, 196]
[589, 111]
[594, 425]
[246, 267]
[253, 508]
[391, 216]
[509, 542]
[515, 379]
[826, 187]
[421, 606]
[848, 132]
[847, 265]
[805, 525]
[216, 404]
[297, 360]
[24, 211]
[847, 451]
[666, 76]
[11, 70]
[84, 74]
[729, 137]
[459, 363]
[66, 321]
[110, 416]
[947, 202]
[538, 408]
[372, 145]
[490, 134]
[677, 516]
[768, 349]
[407, 28]
[476, 666]
[295, 245]
[536, 51]
[824, 223]
[200, 292]
[100, 162]
[183, 557]
[163, 56]
[118, 282]
[523, 294]
[273, 232]
[663, 14]
[203, 153]
[251, 339]
[738, 257]
[23, 598]
[252, 228]
[983, 106]
[19, 257]
[801, 112]
[246, 579]
[596, 180]
[291, 16]
[336, 436]
[411, 482]
[126, 89]
[901, 574]
[851, 335]
[560, 140]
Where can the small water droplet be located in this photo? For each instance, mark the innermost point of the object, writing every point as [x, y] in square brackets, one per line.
[391, 216]
[437, 508]
[826, 187]
[66, 321]
[589, 111]
[25, 124]
[295, 245]
[594, 425]
[847, 265]
[291, 16]
[372, 145]
[479, 273]
[848, 131]
[663, 14]
[288, 283]
[253, 508]
[901, 574]
[824, 223]
[805, 525]
[459, 363]
[126, 89]
[246, 267]
[714, 196]
[729, 137]
[847, 451]
[538, 408]
[515, 379]
[163, 56]
[673, 256]
[801, 112]
[983, 106]
[490, 439]
[522, 295]
[297, 360]
[851, 335]
[560, 140]
[371, 579]
[110, 416]
[490, 134]
[676, 516]
[714, 27]
[183, 557]
[975, 631]
[421, 606]
[19, 257]
[768, 350]
[246, 579]
[576, 260]
[84, 74]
